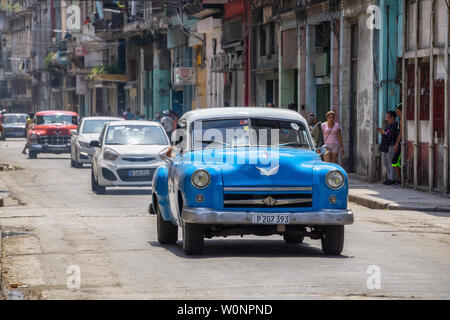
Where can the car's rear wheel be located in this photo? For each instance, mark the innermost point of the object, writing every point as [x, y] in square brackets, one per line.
[193, 238]
[333, 240]
[292, 238]
[167, 231]
[32, 154]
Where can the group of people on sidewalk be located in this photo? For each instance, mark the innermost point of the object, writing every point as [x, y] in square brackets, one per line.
[391, 137]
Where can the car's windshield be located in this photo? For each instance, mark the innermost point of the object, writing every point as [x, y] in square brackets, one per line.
[94, 126]
[136, 135]
[56, 118]
[14, 118]
[250, 132]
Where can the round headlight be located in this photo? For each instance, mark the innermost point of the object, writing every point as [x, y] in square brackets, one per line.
[335, 179]
[201, 179]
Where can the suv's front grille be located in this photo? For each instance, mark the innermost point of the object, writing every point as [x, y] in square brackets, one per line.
[54, 140]
[289, 197]
[124, 176]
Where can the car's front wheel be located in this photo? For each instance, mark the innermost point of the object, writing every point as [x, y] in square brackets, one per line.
[167, 231]
[333, 240]
[193, 238]
[95, 186]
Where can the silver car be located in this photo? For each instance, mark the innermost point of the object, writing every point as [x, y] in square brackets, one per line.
[88, 130]
[14, 124]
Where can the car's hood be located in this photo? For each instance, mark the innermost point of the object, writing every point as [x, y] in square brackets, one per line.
[88, 137]
[54, 129]
[264, 167]
[137, 149]
[14, 125]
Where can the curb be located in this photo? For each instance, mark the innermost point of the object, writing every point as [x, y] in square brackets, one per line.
[376, 203]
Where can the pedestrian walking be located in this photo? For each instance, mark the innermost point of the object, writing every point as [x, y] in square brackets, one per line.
[293, 106]
[332, 138]
[167, 122]
[270, 105]
[29, 124]
[396, 159]
[128, 115]
[389, 137]
[175, 119]
[108, 111]
[137, 115]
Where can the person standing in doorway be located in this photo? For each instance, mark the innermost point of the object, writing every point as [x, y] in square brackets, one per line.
[332, 138]
[396, 160]
[389, 137]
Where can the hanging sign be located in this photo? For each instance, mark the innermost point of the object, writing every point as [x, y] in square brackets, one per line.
[184, 76]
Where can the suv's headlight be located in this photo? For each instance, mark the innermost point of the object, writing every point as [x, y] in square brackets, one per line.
[335, 179]
[109, 154]
[201, 179]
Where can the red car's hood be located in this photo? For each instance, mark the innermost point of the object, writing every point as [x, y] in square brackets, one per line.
[54, 129]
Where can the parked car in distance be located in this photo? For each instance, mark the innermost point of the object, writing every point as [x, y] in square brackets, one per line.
[219, 187]
[88, 130]
[14, 124]
[51, 132]
[126, 154]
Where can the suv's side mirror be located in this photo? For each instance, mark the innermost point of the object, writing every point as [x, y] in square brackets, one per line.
[181, 125]
[95, 144]
[73, 132]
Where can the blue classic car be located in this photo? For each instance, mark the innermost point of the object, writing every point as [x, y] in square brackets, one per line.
[238, 171]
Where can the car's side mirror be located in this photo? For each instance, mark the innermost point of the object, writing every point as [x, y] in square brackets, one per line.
[322, 149]
[181, 125]
[73, 132]
[95, 144]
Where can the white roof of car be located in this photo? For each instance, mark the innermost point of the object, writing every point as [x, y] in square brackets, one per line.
[134, 123]
[101, 118]
[234, 112]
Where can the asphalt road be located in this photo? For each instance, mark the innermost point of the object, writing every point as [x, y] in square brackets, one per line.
[61, 228]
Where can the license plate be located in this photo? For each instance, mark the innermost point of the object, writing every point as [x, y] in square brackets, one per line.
[138, 173]
[271, 218]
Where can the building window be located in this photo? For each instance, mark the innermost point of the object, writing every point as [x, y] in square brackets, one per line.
[262, 41]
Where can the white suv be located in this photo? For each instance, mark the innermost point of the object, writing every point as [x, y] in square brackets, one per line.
[126, 154]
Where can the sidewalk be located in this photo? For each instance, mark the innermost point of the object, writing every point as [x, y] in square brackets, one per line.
[379, 196]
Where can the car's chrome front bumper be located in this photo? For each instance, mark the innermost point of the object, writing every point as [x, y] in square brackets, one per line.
[49, 148]
[212, 216]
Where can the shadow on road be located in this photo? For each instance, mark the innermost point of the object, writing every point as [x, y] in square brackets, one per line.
[251, 248]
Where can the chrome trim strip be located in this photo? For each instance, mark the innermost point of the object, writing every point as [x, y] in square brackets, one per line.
[261, 201]
[267, 189]
[203, 215]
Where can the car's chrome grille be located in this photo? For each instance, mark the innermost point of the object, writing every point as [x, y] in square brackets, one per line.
[54, 140]
[270, 197]
[123, 174]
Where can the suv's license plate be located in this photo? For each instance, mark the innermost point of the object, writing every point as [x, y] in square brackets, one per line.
[138, 173]
[271, 218]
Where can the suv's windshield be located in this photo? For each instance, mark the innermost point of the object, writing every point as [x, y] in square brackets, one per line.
[56, 118]
[94, 126]
[14, 118]
[249, 132]
[136, 135]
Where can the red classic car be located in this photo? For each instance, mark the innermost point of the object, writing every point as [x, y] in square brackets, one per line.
[51, 132]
